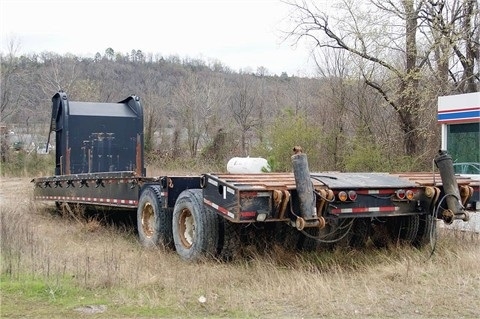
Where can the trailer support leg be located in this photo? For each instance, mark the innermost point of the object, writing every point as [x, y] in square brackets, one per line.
[304, 186]
[455, 209]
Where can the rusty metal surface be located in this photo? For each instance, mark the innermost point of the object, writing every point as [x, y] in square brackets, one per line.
[263, 181]
[431, 179]
[362, 180]
[270, 181]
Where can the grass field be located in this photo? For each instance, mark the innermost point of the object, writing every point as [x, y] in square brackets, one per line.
[64, 267]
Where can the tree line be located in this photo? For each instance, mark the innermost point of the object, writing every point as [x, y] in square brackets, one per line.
[372, 105]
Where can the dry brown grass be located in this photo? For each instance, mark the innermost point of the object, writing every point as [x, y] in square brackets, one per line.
[397, 283]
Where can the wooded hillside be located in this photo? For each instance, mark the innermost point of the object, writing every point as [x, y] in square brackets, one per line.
[372, 105]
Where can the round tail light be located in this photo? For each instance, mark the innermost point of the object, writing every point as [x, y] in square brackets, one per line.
[410, 194]
[400, 193]
[352, 195]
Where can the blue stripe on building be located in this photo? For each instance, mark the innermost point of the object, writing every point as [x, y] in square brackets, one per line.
[459, 115]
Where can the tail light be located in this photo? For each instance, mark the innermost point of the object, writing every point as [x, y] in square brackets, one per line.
[343, 196]
[400, 193]
[410, 194]
[352, 195]
[405, 194]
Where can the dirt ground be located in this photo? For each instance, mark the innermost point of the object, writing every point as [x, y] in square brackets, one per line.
[15, 189]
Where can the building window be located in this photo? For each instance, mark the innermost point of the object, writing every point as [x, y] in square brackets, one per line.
[463, 142]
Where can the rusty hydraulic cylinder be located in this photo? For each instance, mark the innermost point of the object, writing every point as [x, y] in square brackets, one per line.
[304, 185]
[455, 210]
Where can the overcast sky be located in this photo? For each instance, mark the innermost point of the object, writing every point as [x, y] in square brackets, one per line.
[241, 34]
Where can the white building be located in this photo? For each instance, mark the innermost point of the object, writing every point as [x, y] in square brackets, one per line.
[459, 116]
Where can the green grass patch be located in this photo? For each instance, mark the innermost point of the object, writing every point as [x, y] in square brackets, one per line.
[27, 296]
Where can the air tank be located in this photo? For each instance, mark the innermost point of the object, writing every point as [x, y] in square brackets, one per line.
[247, 165]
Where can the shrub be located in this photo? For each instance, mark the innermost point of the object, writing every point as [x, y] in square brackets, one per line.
[286, 132]
[20, 163]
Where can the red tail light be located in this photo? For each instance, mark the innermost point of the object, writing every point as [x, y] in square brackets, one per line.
[343, 196]
[352, 195]
[400, 193]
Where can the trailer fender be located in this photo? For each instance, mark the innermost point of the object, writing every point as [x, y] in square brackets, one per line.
[154, 223]
[195, 227]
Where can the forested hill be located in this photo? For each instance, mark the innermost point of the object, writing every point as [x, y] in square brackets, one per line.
[204, 111]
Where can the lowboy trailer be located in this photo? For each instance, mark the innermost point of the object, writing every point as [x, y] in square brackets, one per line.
[99, 162]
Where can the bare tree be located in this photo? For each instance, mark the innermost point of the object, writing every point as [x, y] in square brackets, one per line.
[382, 36]
[60, 73]
[10, 69]
[155, 102]
[196, 101]
[243, 104]
[454, 28]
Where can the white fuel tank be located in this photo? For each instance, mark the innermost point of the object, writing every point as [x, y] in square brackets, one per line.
[247, 165]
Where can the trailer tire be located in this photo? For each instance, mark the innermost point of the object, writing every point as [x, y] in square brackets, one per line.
[379, 234]
[230, 241]
[291, 239]
[359, 233]
[426, 231]
[154, 223]
[408, 228]
[307, 241]
[396, 230]
[195, 228]
[402, 229]
[343, 236]
[287, 237]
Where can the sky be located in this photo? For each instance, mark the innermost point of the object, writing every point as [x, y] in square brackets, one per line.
[242, 34]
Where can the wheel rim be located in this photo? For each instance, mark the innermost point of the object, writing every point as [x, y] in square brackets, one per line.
[148, 217]
[186, 228]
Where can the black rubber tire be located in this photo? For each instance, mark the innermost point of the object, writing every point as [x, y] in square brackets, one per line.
[291, 239]
[195, 228]
[360, 232]
[403, 229]
[409, 228]
[398, 230]
[427, 230]
[380, 235]
[343, 233]
[154, 223]
[288, 237]
[307, 243]
[325, 236]
[230, 247]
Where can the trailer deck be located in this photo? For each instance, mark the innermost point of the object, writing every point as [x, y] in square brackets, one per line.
[270, 181]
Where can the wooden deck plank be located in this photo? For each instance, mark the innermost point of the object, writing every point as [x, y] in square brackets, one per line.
[287, 180]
